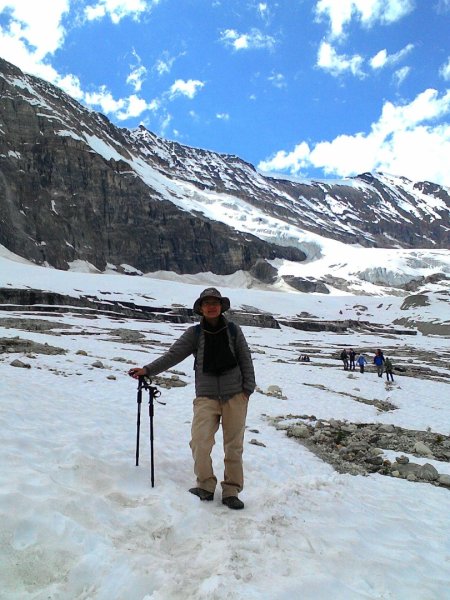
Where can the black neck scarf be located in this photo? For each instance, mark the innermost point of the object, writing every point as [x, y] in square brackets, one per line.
[218, 356]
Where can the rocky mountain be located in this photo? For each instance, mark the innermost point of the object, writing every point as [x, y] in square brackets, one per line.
[75, 187]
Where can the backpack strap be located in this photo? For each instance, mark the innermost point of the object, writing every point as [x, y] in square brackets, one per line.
[233, 331]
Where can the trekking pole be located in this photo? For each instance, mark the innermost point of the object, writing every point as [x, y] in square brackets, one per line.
[138, 423]
[145, 383]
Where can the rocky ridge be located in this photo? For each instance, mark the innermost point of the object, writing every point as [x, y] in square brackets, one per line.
[75, 187]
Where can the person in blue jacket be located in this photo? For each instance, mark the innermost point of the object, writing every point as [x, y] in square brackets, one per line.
[361, 360]
[379, 362]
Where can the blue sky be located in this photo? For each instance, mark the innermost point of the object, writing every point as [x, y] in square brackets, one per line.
[308, 88]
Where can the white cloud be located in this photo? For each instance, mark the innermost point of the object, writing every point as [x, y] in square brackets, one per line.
[401, 74]
[247, 41]
[165, 124]
[336, 64]
[262, 8]
[134, 107]
[379, 60]
[164, 65]
[223, 116]
[277, 80]
[104, 99]
[121, 109]
[136, 77]
[185, 88]
[34, 25]
[116, 10]
[383, 59]
[70, 84]
[444, 71]
[32, 32]
[292, 162]
[263, 11]
[410, 140]
[341, 12]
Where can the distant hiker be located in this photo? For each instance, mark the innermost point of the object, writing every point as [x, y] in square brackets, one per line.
[224, 381]
[388, 367]
[361, 360]
[351, 358]
[379, 361]
[344, 358]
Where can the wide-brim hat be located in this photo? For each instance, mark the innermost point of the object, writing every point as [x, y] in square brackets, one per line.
[211, 293]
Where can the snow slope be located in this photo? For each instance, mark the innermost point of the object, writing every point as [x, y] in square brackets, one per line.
[79, 521]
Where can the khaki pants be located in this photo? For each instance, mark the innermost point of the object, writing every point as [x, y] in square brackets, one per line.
[205, 423]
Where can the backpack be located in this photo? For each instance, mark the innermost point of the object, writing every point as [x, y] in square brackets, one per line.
[231, 328]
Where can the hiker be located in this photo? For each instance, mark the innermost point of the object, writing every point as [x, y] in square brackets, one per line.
[379, 361]
[361, 360]
[351, 357]
[224, 381]
[388, 367]
[344, 358]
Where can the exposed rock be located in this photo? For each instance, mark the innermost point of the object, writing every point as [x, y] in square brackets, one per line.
[299, 431]
[263, 271]
[30, 324]
[407, 469]
[42, 300]
[315, 325]
[257, 443]
[444, 480]
[276, 391]
[98, 364]
[16, 344]
[306, 285]
[355, 447]
[428, 472]
[422, 449]
[419, 300]
[18, 363]
[402, 460]
[130, 336]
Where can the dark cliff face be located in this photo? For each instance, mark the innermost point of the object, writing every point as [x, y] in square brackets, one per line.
[75, 187]
[62, 201]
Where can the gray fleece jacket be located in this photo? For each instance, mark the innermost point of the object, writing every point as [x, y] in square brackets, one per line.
[220, 387]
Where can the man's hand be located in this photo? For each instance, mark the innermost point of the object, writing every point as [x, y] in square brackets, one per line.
[137, 372]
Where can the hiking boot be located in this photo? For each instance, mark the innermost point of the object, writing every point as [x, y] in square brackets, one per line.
[233, 502]
[202, 494]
